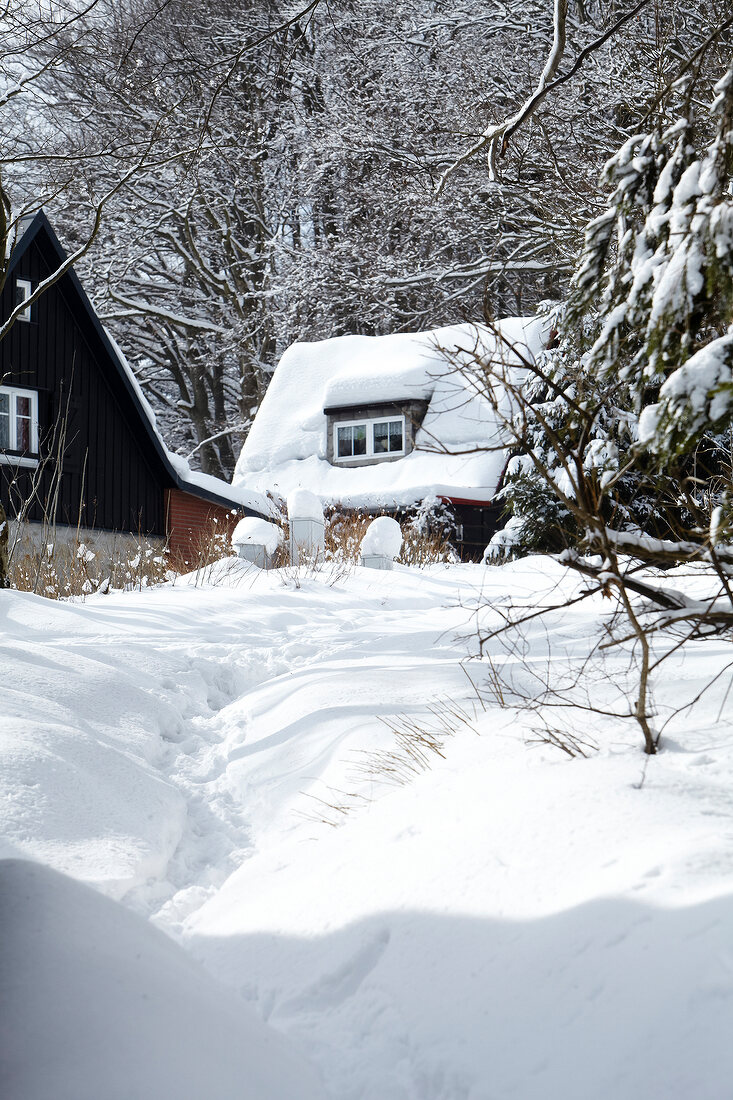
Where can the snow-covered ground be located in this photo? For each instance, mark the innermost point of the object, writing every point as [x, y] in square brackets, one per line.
[214, 757]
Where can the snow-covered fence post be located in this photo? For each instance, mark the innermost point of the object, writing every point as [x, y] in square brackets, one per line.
[256, 540]
[381, 543]
[307, 528]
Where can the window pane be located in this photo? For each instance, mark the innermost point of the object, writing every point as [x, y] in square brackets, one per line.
[22, 293]
[345, 445]
[22, 423]
[4, 420]
[359, 439]
[381, 437]
[395, 435]
[22, 434]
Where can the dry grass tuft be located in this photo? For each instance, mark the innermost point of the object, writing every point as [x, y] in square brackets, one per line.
[417, 742]
[426, 534]
[59, 570]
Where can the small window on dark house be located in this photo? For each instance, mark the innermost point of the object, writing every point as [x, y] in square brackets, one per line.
[23, 290]
[18, 420]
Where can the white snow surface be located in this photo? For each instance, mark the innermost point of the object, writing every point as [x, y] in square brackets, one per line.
[383, 537]
[252, 531]
[286, 447]
[99, 1005]
[510, 922]
[302, 504]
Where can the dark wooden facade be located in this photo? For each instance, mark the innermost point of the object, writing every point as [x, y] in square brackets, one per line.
[101, 463]
[475, 525]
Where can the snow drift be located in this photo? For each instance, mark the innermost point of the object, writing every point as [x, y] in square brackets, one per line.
[99, 1005]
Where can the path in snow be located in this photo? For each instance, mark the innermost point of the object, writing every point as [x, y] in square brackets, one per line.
[295, 686]
[512, 923]
[158, 739]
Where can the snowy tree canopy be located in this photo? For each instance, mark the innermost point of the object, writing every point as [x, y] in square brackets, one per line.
[292, 164]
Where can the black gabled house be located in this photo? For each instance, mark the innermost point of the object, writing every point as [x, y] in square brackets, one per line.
[77, 447]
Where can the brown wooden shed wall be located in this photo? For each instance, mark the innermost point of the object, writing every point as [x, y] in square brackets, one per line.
[192, 525]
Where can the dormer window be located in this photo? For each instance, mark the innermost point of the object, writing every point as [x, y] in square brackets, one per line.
[370, 439]
[381, 431]
[389, 436]
[23, 289]
[18, 423]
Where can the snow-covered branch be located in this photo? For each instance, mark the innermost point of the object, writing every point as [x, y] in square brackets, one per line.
[495, 139]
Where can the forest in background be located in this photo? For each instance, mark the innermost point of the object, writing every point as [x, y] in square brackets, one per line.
[253, 173]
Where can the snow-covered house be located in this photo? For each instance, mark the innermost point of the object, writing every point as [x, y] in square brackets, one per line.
[381, 423]
[78, 443]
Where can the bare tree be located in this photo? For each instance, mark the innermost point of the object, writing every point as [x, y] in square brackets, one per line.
[77, 148]
[622, 431]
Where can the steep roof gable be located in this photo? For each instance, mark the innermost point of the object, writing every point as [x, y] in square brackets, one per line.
[175, 469]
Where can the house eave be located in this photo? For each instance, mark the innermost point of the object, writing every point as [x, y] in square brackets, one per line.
[213, 498]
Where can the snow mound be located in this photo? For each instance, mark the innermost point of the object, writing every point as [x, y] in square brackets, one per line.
[257, 532]
[99, 1004]
[383, 538]
[302, 504]
[286, 448]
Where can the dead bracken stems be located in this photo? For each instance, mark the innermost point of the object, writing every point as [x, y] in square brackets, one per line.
[417, 740]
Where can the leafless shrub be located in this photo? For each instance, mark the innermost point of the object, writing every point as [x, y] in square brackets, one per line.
[62, 569]
[571, 744]
[426, 534]
[206, 551]
[417, 741]
[344, 533]
[334, 807]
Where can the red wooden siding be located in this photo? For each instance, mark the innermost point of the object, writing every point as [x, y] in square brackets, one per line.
[191, 526]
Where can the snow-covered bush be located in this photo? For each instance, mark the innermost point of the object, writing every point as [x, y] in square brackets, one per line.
[625, 423]
[624, 429]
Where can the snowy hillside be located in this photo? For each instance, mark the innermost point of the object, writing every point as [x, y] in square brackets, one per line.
[215, 758]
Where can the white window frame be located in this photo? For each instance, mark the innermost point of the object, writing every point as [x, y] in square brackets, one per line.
[367, 423]
[26, 287]
[30, 458]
